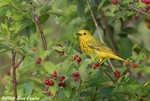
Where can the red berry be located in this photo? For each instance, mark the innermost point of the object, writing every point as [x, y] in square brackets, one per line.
[117, 74]
[143, 1]
[49, 94]
[51, 83]
[75, 57]
[8, 73]
[46, 81]
[78, 59]
[62, 84]
[147, 8]
[135, 65]
[115, 2]
[127, 63]
[61, 78]
[76, 78]
[76, 74]
[139, 74]
[38, 61]
[96, 65]
[55, 74]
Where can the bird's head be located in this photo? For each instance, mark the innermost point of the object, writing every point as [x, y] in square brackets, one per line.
[84, 34]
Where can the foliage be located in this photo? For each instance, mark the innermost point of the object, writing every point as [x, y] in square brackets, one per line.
[61, 20]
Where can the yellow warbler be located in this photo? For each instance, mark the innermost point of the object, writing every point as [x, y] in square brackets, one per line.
[88, 43]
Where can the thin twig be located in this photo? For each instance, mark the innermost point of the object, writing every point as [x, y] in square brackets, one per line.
[105, 22]
[20, 61]
[108, 75]
[41, 31]
[95, 22]
[14, 73]
[140, 11]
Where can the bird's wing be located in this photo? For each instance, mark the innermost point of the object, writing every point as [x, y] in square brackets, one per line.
[95, 44]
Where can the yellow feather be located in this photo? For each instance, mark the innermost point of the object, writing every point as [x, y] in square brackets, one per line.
[88, 43]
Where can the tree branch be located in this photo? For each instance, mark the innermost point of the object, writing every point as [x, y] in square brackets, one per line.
[41, 31]
[140, 11]
[20, 61]
[15, 65]
[95, 22]
[108, 75]
[105, 22]
[14, 74]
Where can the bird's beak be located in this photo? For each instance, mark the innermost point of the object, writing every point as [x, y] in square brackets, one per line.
[78, 34]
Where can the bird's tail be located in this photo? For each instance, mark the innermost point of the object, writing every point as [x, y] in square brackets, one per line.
[117, 57]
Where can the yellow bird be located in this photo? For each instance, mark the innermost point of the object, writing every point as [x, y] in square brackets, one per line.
[88, 43]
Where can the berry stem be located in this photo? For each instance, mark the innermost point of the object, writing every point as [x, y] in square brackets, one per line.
[108, 75]
[140, 11]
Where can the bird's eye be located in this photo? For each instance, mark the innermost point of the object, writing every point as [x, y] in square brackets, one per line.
[84, 33]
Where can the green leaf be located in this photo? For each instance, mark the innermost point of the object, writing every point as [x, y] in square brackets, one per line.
[67, 90]
[53, 88]
[4, 9]
[43, 18]
[101, 4]
[83, 72]
[49, 67]
[45, 54]
[31, 29]
[125, 47]
[17, 15]
[80, 8]
[66, 66]
[28, 88]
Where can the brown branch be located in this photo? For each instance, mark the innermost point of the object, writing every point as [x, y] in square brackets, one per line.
[15, 65]
[41, 31]
[14, 73]
[140, 11]
[20, 61]
[110, 35]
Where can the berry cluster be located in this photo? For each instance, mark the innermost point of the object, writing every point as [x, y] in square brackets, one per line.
[49, 82]
[146, 1]
[77, 58]
[76, 76]
[61, 83]
[128, 63]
